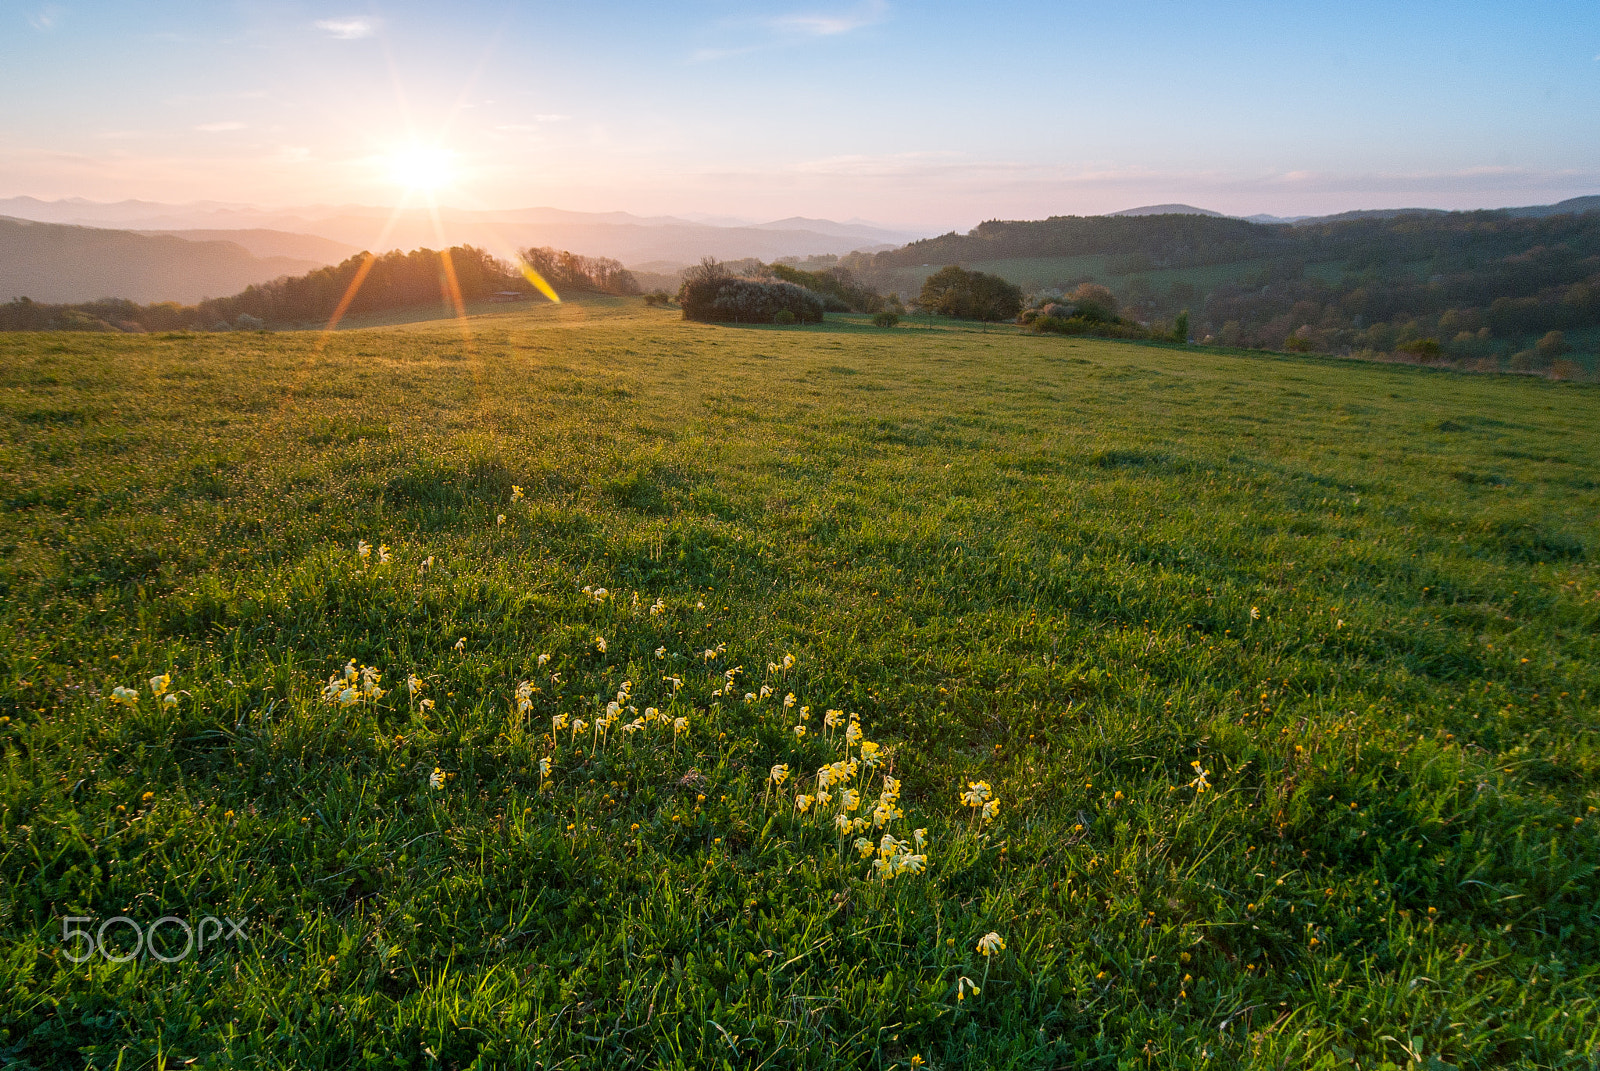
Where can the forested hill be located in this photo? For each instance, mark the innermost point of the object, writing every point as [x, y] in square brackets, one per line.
[1176, 241]
[1181, 241]
[1487, 290]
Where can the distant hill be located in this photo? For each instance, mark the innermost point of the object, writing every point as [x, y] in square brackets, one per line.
[260, 242]
[625, 237]
[1167, 210]
[56, 263]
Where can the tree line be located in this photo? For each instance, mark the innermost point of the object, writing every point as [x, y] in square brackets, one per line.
[388, 281]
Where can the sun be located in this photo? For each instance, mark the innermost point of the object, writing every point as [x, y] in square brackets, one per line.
[422, 167]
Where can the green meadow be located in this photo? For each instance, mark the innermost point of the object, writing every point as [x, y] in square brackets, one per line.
[1280, 674]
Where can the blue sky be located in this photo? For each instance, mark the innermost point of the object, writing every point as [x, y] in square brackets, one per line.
[932, 114]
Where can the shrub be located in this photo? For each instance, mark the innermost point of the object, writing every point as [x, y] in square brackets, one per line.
[970, 295]
[1093, 302]
[1077, 325]
[783, 317]
[886, 319]
[658, 297]
[1527, 361]
[245, 322]
[1425, 348]
[711, 294]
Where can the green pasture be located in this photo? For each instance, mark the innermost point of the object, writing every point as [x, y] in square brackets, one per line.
[1282, 673]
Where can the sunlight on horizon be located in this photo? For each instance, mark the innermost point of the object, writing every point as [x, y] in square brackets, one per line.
[423, 168]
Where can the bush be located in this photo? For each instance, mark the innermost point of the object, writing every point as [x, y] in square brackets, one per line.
[1425, 348]
[658, 297]
[886, 319]
[970, 295]
[711, 294]
[783, 317]
[1077, 325]
[245, 322]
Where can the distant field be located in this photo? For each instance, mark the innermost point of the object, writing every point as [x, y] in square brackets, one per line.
[1282, 673]
[1039, 273]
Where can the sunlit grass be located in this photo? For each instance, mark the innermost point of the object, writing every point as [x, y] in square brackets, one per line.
[1280, 674]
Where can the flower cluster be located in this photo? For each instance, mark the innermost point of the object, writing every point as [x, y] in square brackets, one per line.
[980, 797]
[354, 685]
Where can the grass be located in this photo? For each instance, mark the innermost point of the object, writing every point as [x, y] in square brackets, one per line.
[1362, 598]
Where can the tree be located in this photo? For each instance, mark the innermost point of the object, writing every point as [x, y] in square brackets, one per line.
[1180, 327]
[970, 295]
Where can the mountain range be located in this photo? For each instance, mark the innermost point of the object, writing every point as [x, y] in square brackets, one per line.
[75, 250]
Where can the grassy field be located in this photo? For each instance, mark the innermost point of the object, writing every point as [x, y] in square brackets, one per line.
[1282, 674]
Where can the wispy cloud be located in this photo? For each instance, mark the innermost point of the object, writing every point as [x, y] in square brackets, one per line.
[46, 18]
[348, 29]
[823, 25]
[794, 27]
[218, 128]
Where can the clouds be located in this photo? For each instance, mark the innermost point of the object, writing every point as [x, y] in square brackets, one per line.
[46, 18]
[353, 28]
[220, 128]
[819, 25]
[793, 28]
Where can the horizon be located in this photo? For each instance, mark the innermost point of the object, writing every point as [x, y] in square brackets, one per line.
[822, 111]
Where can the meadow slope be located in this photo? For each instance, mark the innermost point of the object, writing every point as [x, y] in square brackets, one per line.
[1282, 674]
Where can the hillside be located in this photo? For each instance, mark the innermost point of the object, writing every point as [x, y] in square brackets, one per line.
[1219, 711]
[1481, 288]
[620, 235]
[56, 263]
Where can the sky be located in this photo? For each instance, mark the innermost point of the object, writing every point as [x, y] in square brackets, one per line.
[933, 115]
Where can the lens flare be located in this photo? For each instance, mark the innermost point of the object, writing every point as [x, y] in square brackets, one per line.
[421, 167]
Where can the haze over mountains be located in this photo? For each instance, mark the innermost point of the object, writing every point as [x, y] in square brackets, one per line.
[74, 250]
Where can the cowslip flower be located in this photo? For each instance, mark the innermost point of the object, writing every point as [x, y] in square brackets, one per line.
[849, 799]
[766, 690]
[558, 722]
[803, 803]
[543, 660]
[823, 799]
[544, 767]
[363, 550]
[1199, 784]
[870, 752]
[427, 563]
[516, 494]
[832, 718]
[383, 554]
[910, 864]
[864, 846]
[425, 706]
[977, 793]
[844, 823]
[633, 726]
[680, 725]
[919, 837]
[415, 684]
[852, 733]
[990, 943]
[159, 685]
[799, 732]
[661, 652]
[990, 809]
[1255, 613]
[600, 644]
[788, 661]
[601, 594]
[126, 697]
[500, 518]
[658, 607]
[789, 701]
[436, 779]
[780, 774]
[461, 645]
